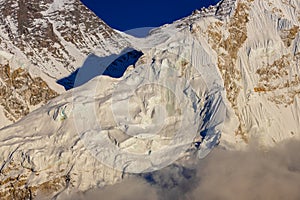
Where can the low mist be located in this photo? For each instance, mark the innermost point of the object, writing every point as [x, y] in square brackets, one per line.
[251, 174]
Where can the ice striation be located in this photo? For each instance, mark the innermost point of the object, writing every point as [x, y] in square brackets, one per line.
[227, 75]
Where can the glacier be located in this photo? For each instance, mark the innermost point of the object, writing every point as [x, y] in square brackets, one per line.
[212, 78]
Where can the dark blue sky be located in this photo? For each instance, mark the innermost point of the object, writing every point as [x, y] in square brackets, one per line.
[128, 14]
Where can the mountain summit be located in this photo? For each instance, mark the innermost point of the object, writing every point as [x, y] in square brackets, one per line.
[226, 75]
[55, 35]
[42, 42]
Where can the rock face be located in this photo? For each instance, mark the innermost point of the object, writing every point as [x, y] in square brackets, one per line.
[257, 47]
[225, 75]
[19, 91]
[258, 57]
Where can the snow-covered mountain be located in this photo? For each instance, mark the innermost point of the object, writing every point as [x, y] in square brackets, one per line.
[49, 40]
[55, 35]
[225, 75]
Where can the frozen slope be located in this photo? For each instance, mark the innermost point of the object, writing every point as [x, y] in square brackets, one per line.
[140, 122]
[255, 45]
[258, 57]
[211, 78]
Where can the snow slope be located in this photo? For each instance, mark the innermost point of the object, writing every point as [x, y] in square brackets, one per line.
[140, 122]
[212, 78]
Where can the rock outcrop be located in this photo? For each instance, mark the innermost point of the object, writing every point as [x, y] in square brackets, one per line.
[227, 75]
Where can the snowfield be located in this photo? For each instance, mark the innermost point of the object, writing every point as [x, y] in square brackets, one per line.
[213, 78]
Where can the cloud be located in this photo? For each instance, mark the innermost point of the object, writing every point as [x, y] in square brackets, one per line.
[130, 189]
[252, 174]
[247, 175]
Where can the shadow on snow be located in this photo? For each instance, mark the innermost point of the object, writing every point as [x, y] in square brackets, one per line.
[113, 66]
